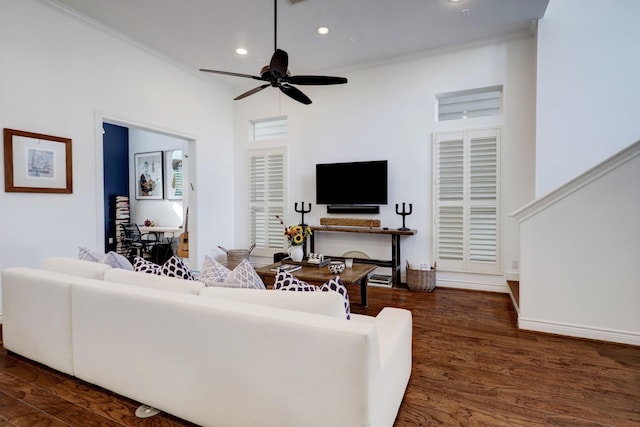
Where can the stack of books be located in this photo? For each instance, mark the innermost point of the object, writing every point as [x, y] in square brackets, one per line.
[380, 280]
[122, 216]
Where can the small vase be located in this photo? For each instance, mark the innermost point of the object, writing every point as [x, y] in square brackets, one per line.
[296, 253]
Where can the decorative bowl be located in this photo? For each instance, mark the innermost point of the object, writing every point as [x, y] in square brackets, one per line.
[336, 267]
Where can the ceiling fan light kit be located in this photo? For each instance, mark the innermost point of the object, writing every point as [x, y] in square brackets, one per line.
[277, 74]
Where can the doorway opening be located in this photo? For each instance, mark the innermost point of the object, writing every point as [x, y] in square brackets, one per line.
[125, 149]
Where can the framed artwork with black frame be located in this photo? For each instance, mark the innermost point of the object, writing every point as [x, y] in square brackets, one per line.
[173, 174]
[149, 175]
[37, 163]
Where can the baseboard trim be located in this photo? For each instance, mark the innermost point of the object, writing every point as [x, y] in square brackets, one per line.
[579, 331]
[472, 286]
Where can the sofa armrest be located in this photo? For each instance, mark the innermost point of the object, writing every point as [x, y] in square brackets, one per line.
[394, 327]
[37, 316]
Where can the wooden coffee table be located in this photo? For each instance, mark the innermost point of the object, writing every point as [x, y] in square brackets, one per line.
[357, 275]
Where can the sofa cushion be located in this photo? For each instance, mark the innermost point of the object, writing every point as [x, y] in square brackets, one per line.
[111, 258]
[76, 267]
[323, 303]
[154, 281]
[285, 281]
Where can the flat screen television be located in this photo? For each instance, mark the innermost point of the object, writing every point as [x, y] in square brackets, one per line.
[352, 184]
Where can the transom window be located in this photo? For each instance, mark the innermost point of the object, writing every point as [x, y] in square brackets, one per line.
[486, 101]
[267, 129]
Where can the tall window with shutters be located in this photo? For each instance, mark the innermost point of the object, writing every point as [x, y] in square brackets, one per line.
[267, 194]
[467, 201]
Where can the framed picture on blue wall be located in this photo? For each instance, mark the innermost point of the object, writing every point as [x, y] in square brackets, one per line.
[149, 175]
[173, 174]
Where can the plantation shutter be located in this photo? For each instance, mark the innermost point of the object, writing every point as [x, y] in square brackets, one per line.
[450, 170]
[267, 184]
[467, 201]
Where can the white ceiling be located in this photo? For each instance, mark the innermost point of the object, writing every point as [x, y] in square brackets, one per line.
[206, 33]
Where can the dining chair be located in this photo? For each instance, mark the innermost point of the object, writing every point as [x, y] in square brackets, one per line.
[137, 243]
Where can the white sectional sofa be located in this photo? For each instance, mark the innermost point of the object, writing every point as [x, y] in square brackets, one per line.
[215, 357]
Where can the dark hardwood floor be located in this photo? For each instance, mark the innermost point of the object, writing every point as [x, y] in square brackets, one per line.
[471, 367]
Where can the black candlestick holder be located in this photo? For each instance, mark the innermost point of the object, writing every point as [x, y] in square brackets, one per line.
[302, 211]
[404, 213]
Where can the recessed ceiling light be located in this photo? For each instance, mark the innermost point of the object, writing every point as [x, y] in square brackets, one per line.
[241, 51]
[323, 31]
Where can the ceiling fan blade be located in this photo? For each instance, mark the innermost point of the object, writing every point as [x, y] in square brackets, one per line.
[227, 73]
[295, 93]
[315, 80]
[279, 63]
[251, 92]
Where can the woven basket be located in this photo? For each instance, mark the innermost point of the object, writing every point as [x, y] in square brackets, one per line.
[421, 280]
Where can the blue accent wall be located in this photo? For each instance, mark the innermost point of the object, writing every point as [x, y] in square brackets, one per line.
[115, 152]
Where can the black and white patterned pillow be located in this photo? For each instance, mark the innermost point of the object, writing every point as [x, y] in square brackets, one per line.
[174, 267]
[142, 265]
[286, 281]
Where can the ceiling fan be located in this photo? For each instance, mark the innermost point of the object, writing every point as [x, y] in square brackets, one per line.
[277, 73]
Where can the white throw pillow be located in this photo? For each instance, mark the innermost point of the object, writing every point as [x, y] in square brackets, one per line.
[213, 273]
[112, 259]
[243, 276]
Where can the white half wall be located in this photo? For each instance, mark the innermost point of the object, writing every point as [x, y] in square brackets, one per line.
[59, 73]
[580, 274]
[588, 86]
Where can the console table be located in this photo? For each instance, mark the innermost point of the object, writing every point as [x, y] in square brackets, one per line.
[394, 263]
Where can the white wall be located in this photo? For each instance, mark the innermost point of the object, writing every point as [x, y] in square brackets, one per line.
[387, 112]
[57, 76]
[165, 213]
[588, 86]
